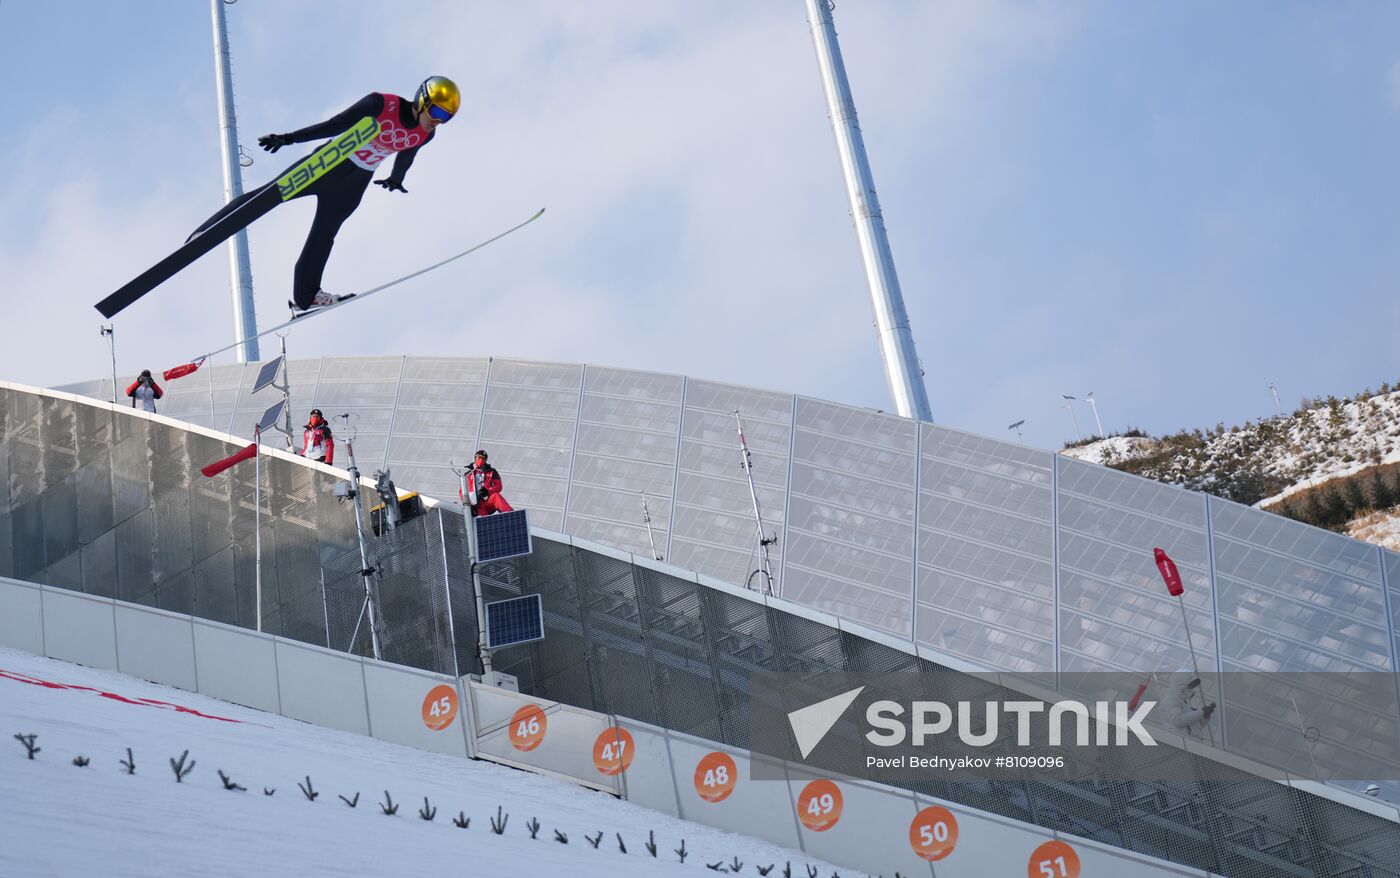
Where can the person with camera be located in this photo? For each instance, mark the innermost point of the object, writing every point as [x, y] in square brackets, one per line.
[317, 442]
[146, 391]
[487, 483]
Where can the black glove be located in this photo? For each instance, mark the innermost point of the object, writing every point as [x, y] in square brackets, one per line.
[391, 184]
[482, 494]
[274, 142]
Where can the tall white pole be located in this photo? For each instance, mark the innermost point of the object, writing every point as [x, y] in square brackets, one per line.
[1069, 404]
[245, 320]
[366, 569]
[257, 525]
[746, 464]
[483, 640]
[902, 368]
[1195, 664]
[110, 331]
[646, 519]
[1093, 404]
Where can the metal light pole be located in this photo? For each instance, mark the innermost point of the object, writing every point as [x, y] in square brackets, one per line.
[1017, 427]
[1095, 406]
[746, 464]
[367, 570]
[902, 368]
[1273, 388]
[1069, 404]
[646, 518]
[483, 642]
[257, 524]
[110, 332]
[245, 320]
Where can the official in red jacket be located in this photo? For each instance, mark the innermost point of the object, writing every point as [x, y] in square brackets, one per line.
[146, 391]
[317, 442]
[488, 487]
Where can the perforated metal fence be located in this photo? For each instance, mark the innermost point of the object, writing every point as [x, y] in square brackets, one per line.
[109, 503]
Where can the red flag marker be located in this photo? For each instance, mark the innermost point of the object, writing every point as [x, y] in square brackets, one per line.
[1169, 574]
[181, 371]
[219, 466]
[1137, 696]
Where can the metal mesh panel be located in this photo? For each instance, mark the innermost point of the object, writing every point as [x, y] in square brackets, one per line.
[667, 650]
[412, 597]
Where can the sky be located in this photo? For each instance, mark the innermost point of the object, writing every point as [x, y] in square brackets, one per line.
[1171, 205]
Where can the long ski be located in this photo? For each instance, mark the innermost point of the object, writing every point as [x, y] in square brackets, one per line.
[361, 296]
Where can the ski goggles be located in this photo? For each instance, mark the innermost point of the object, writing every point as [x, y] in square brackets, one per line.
[438, 113]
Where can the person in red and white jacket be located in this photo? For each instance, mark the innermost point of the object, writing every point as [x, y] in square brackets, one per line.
[146, 391]
[317, 441]
[487, 481]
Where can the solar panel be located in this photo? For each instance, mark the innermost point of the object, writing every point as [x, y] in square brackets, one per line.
[502, 535]
[270, 416]
[518, 620]
[267, 374]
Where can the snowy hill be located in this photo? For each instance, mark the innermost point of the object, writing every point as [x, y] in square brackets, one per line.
[1334, 463]
[60, 819]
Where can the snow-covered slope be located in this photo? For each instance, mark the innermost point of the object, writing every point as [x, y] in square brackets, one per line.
[58, 819]
[1112, 449]
[1265, 463]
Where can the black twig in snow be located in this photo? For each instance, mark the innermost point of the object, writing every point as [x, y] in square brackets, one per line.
[81, 761]
[307, 790]
[229, 784]
[736, 865]
[651, 842]
[811, 872]
[762, 870]
[560, 837]
[180, 768]
[28, 742]
[498, 823]
[681, 851]
[129, 763]
[462, 821]
[269, 792]
[595, 841]
[351, 802]
[427, 812]
[717, 866]
[620, 846]
[388, 806]
[533, 826]
[787, 869]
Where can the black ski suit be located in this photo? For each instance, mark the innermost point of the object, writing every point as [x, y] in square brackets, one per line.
[337, 193]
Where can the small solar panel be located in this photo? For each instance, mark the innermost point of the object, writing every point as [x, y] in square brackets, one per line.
[502, 535]
[267, 374]
[270, 416]
[518, 620]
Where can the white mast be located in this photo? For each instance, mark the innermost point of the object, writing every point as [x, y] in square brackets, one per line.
[245, 320]
[891, 322]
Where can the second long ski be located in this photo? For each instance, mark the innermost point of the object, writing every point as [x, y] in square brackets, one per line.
[361, 296]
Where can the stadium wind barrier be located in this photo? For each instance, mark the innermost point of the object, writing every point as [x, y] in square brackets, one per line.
[625, 637]
[858, 825]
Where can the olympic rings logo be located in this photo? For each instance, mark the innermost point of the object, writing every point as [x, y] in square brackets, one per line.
[396, 138]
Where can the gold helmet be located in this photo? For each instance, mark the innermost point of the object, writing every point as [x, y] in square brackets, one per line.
[439, 96]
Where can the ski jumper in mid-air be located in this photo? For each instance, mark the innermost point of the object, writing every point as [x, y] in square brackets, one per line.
[404, 127]
[337, 173]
